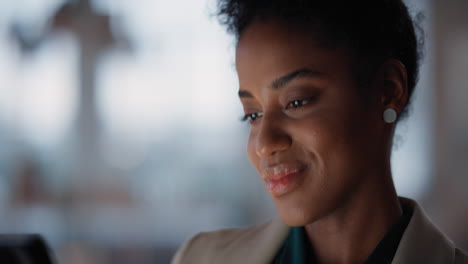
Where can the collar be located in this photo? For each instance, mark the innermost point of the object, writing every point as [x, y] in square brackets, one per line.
[412, 239]
[422, 242]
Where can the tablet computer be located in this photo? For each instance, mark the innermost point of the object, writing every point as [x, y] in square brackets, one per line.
[24, 249]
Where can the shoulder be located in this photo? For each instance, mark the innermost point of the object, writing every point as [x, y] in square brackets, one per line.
[423, 242]
[232, 244]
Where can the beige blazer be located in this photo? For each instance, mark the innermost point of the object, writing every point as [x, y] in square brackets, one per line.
[422, 243]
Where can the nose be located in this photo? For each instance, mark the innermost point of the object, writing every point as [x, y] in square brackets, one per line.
[271, 137]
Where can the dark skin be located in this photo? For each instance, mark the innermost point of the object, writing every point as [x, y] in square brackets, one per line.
[310, 125]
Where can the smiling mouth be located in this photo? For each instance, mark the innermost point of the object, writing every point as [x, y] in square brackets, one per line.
[283, 178]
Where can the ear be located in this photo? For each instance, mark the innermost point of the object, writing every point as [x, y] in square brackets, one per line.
[393, 82]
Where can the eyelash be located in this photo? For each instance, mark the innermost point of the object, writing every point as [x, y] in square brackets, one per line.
[301, 102]
[294, 104]
[251, 117]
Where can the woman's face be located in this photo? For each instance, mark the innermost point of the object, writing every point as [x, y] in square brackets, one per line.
[312, 140]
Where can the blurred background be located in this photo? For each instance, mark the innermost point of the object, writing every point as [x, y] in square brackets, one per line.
[120, 134]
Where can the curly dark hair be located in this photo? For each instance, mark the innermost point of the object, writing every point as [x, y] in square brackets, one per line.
[373, 30]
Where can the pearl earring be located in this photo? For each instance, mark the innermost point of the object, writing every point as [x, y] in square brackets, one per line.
[390, 115]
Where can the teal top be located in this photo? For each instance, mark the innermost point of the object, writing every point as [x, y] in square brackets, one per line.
[297, 249]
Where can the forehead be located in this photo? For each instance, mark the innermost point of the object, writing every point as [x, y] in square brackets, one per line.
[268, 49]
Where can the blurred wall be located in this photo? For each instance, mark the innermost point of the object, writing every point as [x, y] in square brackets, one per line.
[448, 200]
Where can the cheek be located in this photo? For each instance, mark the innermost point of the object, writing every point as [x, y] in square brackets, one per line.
[314, 135]
[334, 148]
[325, 143]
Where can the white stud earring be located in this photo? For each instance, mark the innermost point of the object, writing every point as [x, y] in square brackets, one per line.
[390, 115]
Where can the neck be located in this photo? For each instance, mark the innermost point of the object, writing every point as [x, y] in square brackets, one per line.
[350, 233]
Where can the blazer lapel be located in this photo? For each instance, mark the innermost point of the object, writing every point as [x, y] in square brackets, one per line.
[258, 246]
[422, 242]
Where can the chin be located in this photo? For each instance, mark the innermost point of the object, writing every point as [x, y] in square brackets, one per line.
[304, 207]
[297, 215]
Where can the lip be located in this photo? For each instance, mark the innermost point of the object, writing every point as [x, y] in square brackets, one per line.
[282, 178]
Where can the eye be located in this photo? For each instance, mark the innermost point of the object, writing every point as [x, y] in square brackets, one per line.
[298, 103]
[251, 117]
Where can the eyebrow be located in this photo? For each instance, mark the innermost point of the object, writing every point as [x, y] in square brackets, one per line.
[284, 80]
